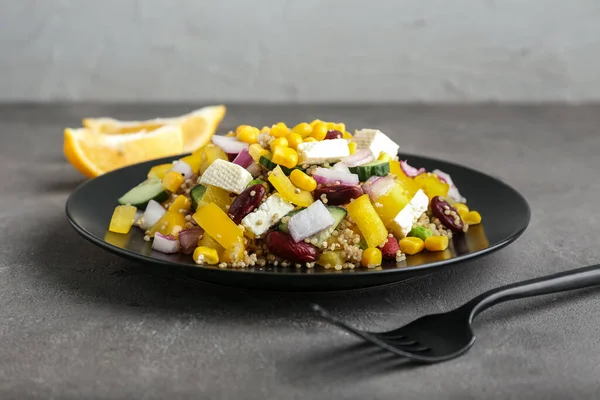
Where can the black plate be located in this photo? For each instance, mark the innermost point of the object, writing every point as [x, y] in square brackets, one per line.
[505, 215]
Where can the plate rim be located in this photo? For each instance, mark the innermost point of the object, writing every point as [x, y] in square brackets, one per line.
[510, 238]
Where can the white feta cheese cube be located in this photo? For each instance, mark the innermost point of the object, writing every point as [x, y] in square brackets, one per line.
[310, 221]
[410, 214]
[321, 152]
[376, 141]
[227, 176]
[267, 214]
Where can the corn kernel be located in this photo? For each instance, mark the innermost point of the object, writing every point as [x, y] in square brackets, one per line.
[319, 131]
[172, 181]
[303, 181]
[314, 122]
[122, 219]
[347, 135]
[257, 151]
[285, 156]
[265, 129]
[436, 243]
[472, 218]
[310, 139]
[279, 142]
[294, 139]
[340, 126]
[230, 134]
[240, 128]
[206, 255]
[248, 134]
[411, 245]
[462, 209]
[303, 129]
[180, 203]
[352, 147]
[158, 171]
[279, 130]
[383, 156]
[371, 257]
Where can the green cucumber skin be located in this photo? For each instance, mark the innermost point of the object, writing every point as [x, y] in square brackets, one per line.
[338, 215]
[374, 168]
[283, 226]
[140, 195]
[196, 194]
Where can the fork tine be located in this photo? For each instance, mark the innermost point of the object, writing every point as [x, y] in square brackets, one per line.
[364, 335]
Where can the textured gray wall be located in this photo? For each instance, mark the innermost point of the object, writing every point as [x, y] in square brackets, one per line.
[304, 50]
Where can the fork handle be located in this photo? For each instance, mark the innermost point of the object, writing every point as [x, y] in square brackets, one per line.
[561, 282]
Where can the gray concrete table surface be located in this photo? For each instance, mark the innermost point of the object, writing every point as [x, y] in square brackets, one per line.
[77, 322]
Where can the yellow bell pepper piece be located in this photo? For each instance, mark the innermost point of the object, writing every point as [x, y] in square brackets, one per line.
[180, 203]
[122, 219]
[208, 241]
[411, 245]
[194, 161]
[206, 255]
[171, 223]
[352, 147]
[303, 181]
[172, 181]
[391, 203]
[462, 209]
[216, 195]
[285, 156]
[436, 243]
[257, 151]
[383, 156]
[368, 221]
[408, 182]
[371, 257]
[234, 253]
[330, 258]
[211, 153]
[472, 218]
[218, 225]
[432, 185]
[158, 171]
[287, 190]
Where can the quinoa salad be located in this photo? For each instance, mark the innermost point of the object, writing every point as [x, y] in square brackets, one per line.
[313, 194]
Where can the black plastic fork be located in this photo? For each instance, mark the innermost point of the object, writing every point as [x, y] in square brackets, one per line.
[440, 337]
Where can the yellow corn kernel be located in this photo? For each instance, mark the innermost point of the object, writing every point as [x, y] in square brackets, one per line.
[240, 128]
[436, 243]
[411, 245]
[303, 181]
[172, 181]
[314, 122]
[462, 209]
[347, 135]
[383, 156]
[287, 190]
[281, 141]
[248, 134]
[280, 130]
[171, 223]
[206, 255]
[194, 161]
[352, 147]
[180, 203]
[265, 129]
[319, 131]
[211, 153]
[303, 129]
[230, 134]
[216, 195]
[366, 218]
[218, 225]
[285, 156]
[371, 257]
[294, 139]
[158, 171]
[208, 241]
[472, 218]
[257, 151]
[310, 139]
[340, 126]
[122, 219]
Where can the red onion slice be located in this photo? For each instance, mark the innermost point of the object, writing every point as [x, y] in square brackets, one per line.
[254, 169]
[360, 157]
[243, 159]
[409, 170]
[183, 168]
[329, 175]
[154, 212]
[230, 145]
[378, 187]
[167, 244]
[341, 167]
[453, 192]
[188, 238]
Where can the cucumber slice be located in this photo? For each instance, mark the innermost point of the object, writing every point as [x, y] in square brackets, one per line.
[374, 168]
[268, 164]
[139, 196]
[196, 194]
[338, 214]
